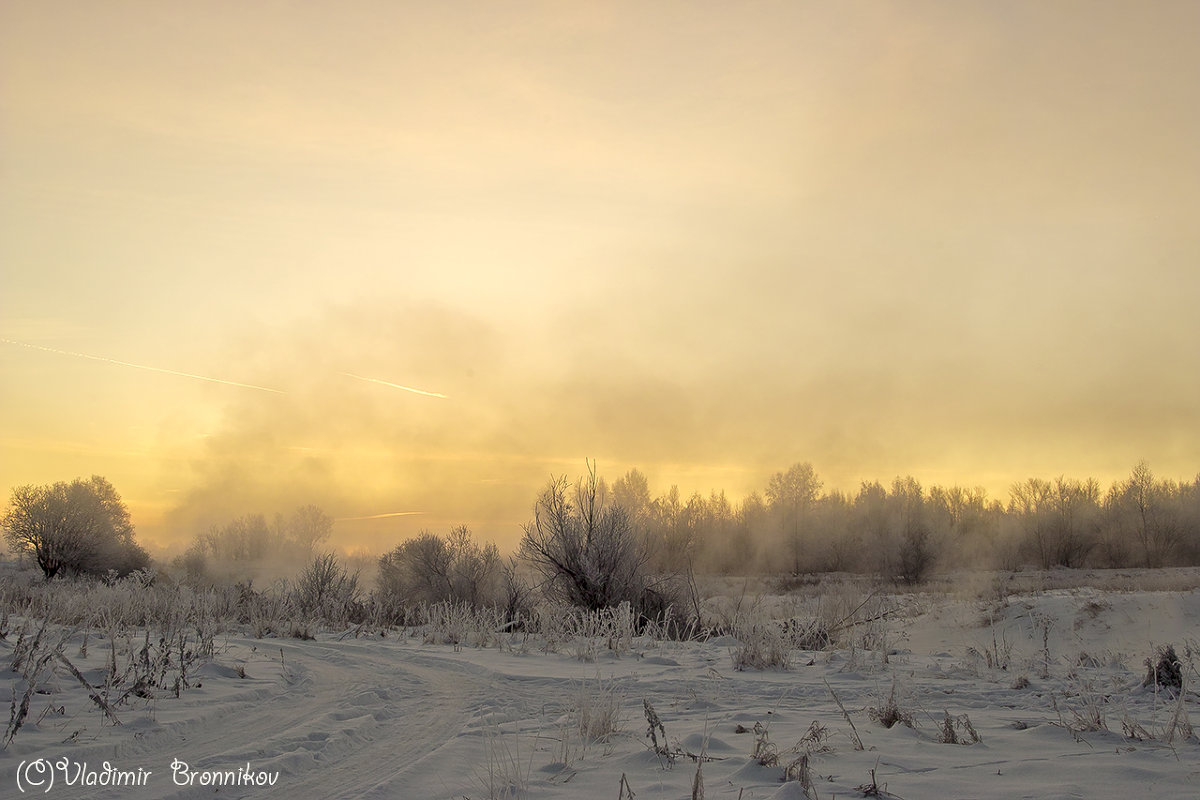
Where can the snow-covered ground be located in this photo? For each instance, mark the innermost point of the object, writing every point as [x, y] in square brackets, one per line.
[1049, 682]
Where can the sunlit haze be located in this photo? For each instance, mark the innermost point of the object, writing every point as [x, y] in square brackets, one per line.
[406, 261]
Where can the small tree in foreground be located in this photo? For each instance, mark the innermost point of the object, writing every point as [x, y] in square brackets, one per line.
[78, 527]
[585, 548]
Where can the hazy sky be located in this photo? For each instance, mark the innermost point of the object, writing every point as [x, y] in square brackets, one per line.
[954, 239]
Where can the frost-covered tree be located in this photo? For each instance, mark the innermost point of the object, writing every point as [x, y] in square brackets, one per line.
[431, 568]
[632, 492]
[585, 547]
[791, 496]
[308, 527]
[78, 527]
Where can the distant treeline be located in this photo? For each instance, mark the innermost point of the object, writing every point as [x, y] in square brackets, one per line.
[904, 529]
[900, 530]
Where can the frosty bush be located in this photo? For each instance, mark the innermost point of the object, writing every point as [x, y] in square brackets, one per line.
[82, 527]
[585, 548]
[434, 569]
[326, 589]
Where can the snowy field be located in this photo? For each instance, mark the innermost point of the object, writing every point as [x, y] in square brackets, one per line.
[1000, 691]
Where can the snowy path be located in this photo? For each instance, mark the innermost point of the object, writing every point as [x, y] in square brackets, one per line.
[394, 718]
[336, 719]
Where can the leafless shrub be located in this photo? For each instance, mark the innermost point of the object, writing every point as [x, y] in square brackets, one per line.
[807, 634]
[459, 624]
[516, 594]
[916, 556]
[585, 548]
[325, 589]
[433, 569]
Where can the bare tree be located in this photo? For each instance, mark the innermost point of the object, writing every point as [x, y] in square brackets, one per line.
[430, 568]
[245, 539]
[584, 548]
[632, 492]
[1151, 505]
[915, 555]
[326, 587]
[309, 527]
[81, 527]
[1030, 502]
[792, 495]
[1073, 527]
[666, 533]
[417, 570]
[870, 521]
[474, 567]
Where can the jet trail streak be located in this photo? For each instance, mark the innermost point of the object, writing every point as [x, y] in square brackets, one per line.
[395, 385]
[381, 516]
[141, 366]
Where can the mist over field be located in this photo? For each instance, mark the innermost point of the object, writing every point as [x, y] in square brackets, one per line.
[951, 243]
[506, 424]
[773, 400]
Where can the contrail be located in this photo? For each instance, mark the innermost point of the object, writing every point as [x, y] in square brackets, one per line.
[381, 516]
[141, 366]
[396, 386]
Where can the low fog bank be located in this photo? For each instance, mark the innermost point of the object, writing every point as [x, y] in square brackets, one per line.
[501, 406]
[900, 531]
[597, 547]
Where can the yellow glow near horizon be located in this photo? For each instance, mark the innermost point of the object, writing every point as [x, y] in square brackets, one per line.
[952, 240]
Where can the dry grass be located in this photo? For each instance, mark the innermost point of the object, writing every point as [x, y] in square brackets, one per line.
[800, 772]
[34, 654]
[958, 730]
[597, 709]
[889, 713]
[762, 647]
[507, 762]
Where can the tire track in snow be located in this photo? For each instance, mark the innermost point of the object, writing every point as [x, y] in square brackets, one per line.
[350, 719]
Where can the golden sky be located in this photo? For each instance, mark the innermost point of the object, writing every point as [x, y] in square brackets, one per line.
[956, 240]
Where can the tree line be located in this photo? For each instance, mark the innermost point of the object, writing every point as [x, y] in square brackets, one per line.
[902, 530]
[593, 544]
